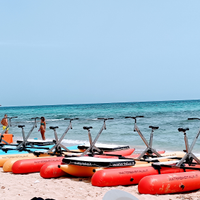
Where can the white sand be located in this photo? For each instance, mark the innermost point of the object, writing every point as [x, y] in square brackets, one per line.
[18, 187]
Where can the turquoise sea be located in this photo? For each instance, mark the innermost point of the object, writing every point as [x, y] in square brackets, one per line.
[168, 115]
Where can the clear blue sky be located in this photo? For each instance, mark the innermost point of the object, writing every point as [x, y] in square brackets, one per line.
[98, 51]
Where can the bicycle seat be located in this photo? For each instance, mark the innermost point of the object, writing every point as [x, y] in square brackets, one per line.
[53, 127]
[183, 129]
[87, 127]
[21, 126]
[154, 127]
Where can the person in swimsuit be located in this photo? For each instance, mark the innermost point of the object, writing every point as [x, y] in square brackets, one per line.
[4, 122]
[42, 127]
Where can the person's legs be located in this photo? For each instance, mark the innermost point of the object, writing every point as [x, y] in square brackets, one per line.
[43, 134]
[6, 132]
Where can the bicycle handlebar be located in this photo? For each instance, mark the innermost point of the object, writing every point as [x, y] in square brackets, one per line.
[134, 117]
[154, 127]
[12, 117]
[71, 119]
[105, 118]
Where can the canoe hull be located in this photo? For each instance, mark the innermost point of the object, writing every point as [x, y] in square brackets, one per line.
[126, 176]
[7, 167]
[4, 158]
[32, 165]
[170, 183]
[51, 170]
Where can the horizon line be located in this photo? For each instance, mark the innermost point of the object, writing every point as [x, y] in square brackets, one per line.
[97, 103]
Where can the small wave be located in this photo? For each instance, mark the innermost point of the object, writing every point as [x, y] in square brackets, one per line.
[77, 142]
[95, 119]
[53, 120]
[66, 141]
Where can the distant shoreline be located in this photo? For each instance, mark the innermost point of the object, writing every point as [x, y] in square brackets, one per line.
[76, 104]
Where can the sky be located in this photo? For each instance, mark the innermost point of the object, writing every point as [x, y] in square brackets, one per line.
[103, 51]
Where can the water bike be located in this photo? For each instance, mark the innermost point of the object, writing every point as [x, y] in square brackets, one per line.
[22, 150]
[131, 176]
[24, 145]
[27, 141]
[38, 151]
[92, 147]
[186, 181]
[13, 150]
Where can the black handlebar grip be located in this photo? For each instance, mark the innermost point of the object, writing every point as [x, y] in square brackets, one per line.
[71, 118]
[66, 118]
[76, 118]
[193, 118]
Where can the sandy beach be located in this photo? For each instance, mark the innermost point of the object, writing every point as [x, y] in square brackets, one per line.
[17, 187]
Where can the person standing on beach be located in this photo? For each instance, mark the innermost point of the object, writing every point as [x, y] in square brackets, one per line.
[4, 122]
[42, 127]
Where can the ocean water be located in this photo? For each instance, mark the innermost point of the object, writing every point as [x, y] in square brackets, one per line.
[168, 115]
